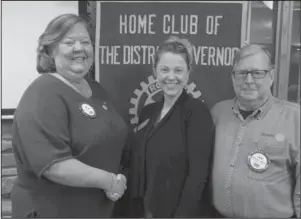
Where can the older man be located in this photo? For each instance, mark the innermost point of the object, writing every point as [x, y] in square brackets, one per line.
[256, 167]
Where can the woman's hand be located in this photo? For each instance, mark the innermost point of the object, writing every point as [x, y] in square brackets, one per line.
[113, 196]
[118, 187]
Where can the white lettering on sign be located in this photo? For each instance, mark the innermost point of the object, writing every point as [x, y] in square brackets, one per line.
[212, 22]
[109, 54]
[188, 24]
[144, 54]
[141, 54]
[203, 54]
[136, 24]
[214, 56]
[211, 55]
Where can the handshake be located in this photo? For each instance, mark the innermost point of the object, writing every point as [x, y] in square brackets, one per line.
[118, 187]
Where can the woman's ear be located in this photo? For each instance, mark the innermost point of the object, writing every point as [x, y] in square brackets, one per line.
[188, 76]
[52, 50]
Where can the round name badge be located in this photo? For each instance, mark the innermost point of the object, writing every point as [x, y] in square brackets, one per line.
[258, 161]
[87, 110]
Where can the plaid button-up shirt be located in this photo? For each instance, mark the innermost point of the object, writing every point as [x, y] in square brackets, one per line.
[273, 129]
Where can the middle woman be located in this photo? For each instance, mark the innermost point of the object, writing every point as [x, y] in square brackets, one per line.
[173, 141]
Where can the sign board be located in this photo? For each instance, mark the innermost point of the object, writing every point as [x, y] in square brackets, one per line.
[127, 36]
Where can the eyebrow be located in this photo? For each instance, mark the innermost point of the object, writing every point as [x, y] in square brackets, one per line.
[176, 67]
[253, 69]
[86, 38]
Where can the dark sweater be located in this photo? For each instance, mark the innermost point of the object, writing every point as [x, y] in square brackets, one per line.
[170, 162]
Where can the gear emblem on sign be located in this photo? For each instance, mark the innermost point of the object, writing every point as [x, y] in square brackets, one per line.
[149, 90]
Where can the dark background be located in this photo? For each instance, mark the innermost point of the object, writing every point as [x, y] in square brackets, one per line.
[122, 80]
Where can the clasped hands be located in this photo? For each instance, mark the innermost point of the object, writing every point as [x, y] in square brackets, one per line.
[118, 187]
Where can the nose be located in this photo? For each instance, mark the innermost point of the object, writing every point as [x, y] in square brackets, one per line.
[249, 79]
[78, 46]
[171, 75]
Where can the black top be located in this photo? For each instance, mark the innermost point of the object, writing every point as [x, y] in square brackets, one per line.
[49, 126]
[170, 167]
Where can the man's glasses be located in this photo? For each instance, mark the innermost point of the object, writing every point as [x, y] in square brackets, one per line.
[256, 74]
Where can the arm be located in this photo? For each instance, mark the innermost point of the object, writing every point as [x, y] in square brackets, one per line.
[199, 144]
[71, 172]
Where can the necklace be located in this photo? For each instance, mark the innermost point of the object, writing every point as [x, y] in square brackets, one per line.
[85, 94]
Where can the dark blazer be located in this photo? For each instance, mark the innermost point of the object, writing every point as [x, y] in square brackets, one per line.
[182, 167]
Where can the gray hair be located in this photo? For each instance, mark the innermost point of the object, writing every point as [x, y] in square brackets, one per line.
[250, 50]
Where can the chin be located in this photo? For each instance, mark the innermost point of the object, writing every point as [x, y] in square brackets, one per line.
[80, 71]
[171, 94]
[249, 97]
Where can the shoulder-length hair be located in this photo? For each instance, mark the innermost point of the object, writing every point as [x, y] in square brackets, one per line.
[54, 32]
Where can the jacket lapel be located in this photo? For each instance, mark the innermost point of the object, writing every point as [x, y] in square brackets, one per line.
[155, 127]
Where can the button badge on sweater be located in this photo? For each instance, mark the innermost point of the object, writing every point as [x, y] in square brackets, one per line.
[258, 161]
[87, 110]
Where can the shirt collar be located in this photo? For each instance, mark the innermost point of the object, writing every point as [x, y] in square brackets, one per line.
[258, 113]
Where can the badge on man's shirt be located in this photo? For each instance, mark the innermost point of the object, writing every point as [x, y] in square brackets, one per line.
[267, 134]
[258, 161]
[279, 137]
[274, 138]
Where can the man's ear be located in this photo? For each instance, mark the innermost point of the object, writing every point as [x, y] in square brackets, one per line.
[272, 73]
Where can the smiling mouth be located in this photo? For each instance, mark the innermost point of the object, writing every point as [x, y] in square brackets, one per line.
[249, 89]
[171, 85]
[79, 59]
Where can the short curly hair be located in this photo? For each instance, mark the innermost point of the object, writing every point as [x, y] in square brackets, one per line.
[54, 32]
[175, 45]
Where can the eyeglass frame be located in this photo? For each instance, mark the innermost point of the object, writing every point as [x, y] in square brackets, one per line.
[252, 72]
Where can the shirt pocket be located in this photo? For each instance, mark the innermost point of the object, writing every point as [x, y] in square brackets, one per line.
[277, 155]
